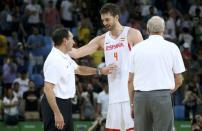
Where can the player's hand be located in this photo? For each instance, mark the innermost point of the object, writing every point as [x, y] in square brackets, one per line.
[59, 121]
[108, 69]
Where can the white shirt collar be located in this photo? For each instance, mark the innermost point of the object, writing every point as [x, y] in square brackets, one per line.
[61, 53]
[156, 37]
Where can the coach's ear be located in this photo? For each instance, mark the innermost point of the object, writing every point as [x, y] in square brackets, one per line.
[117, 17]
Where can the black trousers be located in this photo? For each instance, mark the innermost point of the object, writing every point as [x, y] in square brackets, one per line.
[65, 107]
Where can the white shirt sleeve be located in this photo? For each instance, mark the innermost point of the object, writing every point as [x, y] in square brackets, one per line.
[74, 65]
[51, 74]
[178, 66]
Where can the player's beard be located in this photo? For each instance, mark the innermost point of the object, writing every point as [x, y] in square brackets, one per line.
[110, 27]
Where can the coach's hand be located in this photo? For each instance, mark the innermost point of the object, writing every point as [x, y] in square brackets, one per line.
[59, 121]
[108, 69]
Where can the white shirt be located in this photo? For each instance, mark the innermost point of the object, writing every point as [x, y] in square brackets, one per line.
[103, 100]
[117, 52]
[186, 37]
[59, 70]
[145, 10]
[154, 62]
[24, 84]
[65, 10]
[11, 110]
[34, 18]
[193, 9]
[170, 30]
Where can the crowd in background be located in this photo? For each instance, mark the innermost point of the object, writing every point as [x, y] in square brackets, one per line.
[25, 41]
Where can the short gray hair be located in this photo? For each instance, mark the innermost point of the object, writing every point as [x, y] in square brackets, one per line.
[156, 24]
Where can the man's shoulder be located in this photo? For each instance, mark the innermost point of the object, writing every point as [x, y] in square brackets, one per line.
[100, 37]
[134, 36]
[132, 31]
[51, 58]
[170, 44]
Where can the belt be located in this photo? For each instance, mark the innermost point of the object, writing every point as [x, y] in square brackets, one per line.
[57, 98]
[153, 90]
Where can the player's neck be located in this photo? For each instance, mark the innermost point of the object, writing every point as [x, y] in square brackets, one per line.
[117, 30]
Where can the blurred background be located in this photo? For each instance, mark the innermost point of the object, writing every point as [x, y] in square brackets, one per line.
[25, 41]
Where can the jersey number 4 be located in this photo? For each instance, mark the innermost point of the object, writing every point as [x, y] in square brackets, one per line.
[116, 56]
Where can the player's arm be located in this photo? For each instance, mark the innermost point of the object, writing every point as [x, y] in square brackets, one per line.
[94, 45]
[134, 36]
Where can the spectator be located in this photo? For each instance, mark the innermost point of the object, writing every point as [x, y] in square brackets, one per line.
[196, 123]
[23, 80]
[10, 102]
[103, 101]
[151, 12]
[185, 37]
[33, 11]
[31, 102]
[124, 16]
[35, 44]
[50, 17]
[184, 22]
[84, 30]
[170, 29]
[191, 100]
[9, 72]
[18, 94]
[89, 99]
[16, 90]
[186, 55]
[198, 33]
[3, 47]
[194, 6]
[66, 9]
[6, 20]
[13, 43]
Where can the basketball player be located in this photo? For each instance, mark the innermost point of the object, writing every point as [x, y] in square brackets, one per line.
[117, 43]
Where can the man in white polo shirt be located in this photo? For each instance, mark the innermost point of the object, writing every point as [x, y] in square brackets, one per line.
[155, 71]
[59, 88]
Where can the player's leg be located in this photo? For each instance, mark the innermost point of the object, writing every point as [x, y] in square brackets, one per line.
[127, 119]
[113, 122]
